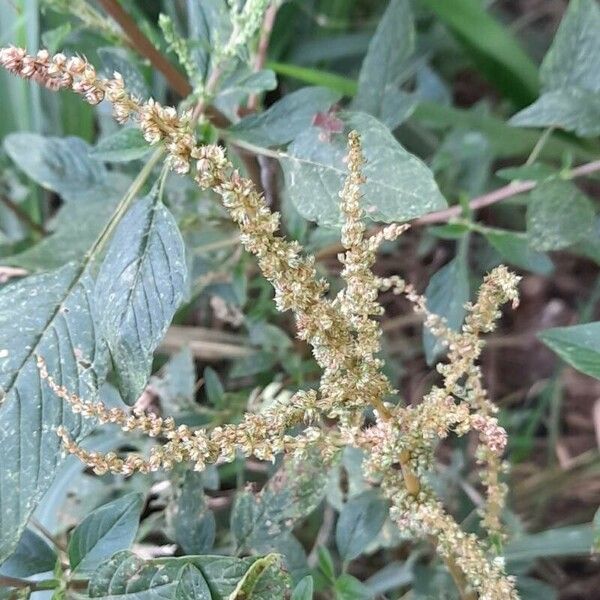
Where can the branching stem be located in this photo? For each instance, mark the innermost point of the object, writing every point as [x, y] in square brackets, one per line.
[263, 47]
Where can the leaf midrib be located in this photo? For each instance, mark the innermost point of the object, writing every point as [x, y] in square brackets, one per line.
[38, 339]
[144, 242]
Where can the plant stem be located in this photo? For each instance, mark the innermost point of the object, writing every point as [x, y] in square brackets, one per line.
[145, 47]
[124, 205]
[459, 579]
[22, 215]
[539, 146]
[507, 191]
[51, 538]
[34, 586]
[207, 94]
[250, 147]
[263, 47]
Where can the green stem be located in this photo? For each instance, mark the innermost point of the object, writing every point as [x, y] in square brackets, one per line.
[539, 146]
[34, 586]
[249, 146]
[23, 216]
[124, 205]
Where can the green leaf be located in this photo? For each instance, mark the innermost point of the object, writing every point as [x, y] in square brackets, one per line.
[573, 540]
[193, 524]
[569, 74]
[78, 224]
[209, 24]
[70, 475]
[62, 165]
[215, 392]
[386, 66]
[327, 48]
[192, 585]
[122, 146]
[398, 107]
[572, 61]
[558, 215]
[326, 565]
[573, 109]
[128, 577]
[304, 589]
[51, 315]
[399, 186]
[343, 85]
[31, 556]
[242, 518]
[491, 46]
[503, 141]
[578, 345]
[346, 479]
[54, 39]
[534, 172]
[590, 246]
[121, 61]
[433, 581]
[140, 285]
[264, 580]
[514, 248]
[360, 521]
[108, 529]
[447, 293]
[289, 496]
[293, 554]
[394, 575]
[348, 587]
[239, 85]
[462, 162]
[285, 119]
[177, 387]
[534, 589]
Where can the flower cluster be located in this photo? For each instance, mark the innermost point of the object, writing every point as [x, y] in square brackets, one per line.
[260, 435]
[424, 516]
[246, 22]
[345, 340]
[157, 123]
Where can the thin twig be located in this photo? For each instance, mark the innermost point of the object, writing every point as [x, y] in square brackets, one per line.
[209, 90]
[206, 344]
[263, 47]
[48, 535]
[459, 579]
[539, 146]
[34, 586]
[22, 215]
[7, 273]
